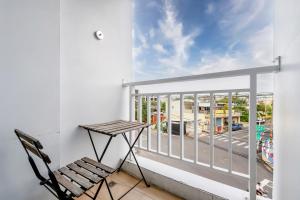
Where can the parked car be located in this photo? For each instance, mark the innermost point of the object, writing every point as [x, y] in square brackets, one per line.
[236, 127]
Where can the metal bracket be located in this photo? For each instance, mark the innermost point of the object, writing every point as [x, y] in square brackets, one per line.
[278, 60]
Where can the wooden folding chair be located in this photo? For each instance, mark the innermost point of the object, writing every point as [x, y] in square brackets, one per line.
[67, 182]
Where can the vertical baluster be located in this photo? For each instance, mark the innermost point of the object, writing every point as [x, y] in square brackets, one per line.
[230, 131]
[181, 127]
[149, 122]
[212, 130]
[169, 127]
[196, 127]
[252, 137]
[158, 124]
[131, 112]
[139, 116]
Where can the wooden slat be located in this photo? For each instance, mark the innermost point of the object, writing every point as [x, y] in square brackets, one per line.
[120, 128]
[33, 149]
[92, 177]
[72, 175]
[129, 129]
[99, 165]
[115, 127]
[111, 128]
[77, 191]
[108, 124]
[91, 168]
[97, 125]
[28, 138]
[111, 123]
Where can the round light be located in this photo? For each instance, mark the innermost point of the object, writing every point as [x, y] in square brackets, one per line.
[99, 35]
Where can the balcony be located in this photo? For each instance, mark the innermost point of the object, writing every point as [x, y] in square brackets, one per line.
[195, 139]
[56, 74]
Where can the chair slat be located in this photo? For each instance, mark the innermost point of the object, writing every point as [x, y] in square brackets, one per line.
[99, 165]
[92, 177]
[72, 175]
[28, 138]
[32, 148]
[77, 191]
[91, 168]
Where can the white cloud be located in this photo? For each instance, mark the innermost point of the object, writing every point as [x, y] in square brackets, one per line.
[210, 8]
[143, 40]
[261, 45]
[240, 22]
[160, 48]
[211, 62]
[133, 34]
[152, 33]
[143, 44]
[136, 51]
[172, 30]
[259, 52]
[152, 4]
[240, 14]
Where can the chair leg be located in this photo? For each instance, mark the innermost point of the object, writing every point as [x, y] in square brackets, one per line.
[110, 194]
[98, 190]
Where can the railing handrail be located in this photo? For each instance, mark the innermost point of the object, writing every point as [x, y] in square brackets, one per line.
[223, 74]
[251, 72]
[191, 92]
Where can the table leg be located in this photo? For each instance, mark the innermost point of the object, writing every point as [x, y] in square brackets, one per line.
[104, 151]
[93, 145]
[130, 151]
[109, 191]
[130, 147]
[101, 183]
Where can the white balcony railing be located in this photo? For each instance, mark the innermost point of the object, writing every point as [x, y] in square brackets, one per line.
[136, 109]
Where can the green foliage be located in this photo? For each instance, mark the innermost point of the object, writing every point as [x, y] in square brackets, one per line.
[153, 106]
[264, 111]
[239, 105]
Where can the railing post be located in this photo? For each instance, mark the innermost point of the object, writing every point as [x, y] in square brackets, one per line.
[196, 127]
[169, 127]
[131, 113]
[252, 136]
[158, 124]
[149, 122]
[230, 132]
[181, 127]
[212, 130]
[139, 116]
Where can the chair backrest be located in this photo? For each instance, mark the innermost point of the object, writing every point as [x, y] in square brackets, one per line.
[34, 146]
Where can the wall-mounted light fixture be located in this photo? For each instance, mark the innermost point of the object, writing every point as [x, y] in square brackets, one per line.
[99, 35]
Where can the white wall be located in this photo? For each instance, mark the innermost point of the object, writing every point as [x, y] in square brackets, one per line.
[287, 98]
[52, 80]
[92, 73]
[29, 90]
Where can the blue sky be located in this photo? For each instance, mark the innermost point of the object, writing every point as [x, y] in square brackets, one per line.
[182, 37]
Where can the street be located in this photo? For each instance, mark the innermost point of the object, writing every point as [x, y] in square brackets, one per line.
[221, 159]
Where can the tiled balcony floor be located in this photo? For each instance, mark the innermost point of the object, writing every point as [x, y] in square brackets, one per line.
[123, 182]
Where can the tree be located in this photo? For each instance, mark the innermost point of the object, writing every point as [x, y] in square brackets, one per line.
[239, 104]
[153, 107]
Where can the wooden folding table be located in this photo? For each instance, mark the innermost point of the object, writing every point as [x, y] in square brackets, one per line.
[113, 129]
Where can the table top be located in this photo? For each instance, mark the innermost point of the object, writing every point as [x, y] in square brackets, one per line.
[114, 128]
